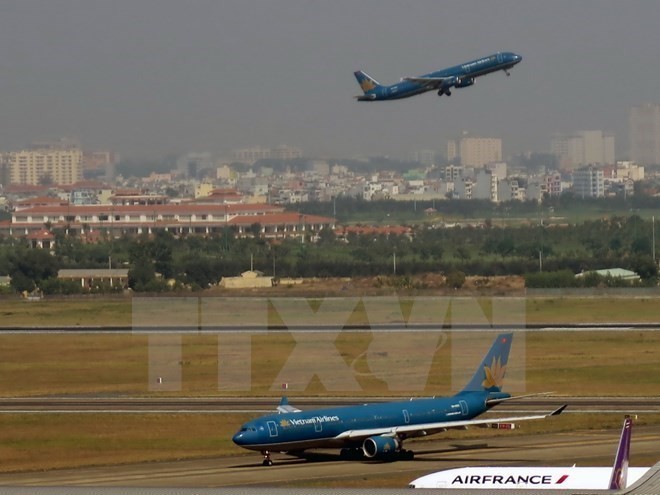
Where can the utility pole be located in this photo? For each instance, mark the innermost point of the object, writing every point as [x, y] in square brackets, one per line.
[394, 261]
[653, 232]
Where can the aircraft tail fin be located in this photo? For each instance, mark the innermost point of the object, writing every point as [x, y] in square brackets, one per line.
[368, 84]
[619, 478]
[490, 373]
[285, 407]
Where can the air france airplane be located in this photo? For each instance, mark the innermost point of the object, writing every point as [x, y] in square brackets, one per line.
[442, 81]
[618, 477]
[377, 431]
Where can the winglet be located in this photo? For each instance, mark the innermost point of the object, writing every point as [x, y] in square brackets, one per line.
[558, 411]
[619, 478]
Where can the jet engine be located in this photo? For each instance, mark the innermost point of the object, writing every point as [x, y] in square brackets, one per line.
[380, 446]
[464, 82]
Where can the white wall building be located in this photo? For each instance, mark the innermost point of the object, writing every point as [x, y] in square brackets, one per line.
[588, 182]
[509, 190]
[485, 186]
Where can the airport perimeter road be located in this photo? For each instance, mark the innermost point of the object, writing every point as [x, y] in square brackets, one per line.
[584, 448]
[627, 405]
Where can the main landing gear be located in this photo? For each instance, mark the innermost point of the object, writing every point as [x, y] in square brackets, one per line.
[357, 454]
[267, 460]
[406, 455]
[351, 454]
[444, 92]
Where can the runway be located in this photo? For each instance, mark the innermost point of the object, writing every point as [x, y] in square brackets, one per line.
[326, 469]
[264, 405]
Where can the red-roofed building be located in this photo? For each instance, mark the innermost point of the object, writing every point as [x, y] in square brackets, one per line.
[183, 218]
[222, 196]
[47, 201]
[41, 239]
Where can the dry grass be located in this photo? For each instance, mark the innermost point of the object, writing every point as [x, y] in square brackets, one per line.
[381, 309]
[392, 363]
[54, 441]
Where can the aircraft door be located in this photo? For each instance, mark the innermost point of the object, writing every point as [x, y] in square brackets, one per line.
[272, 428]
[318, 427]
[499, 58]
[406, 416]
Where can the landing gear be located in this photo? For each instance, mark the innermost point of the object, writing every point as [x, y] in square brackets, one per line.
[441, 92]
[406, 455]
[444, 92]
[351, 454]
[507, 72]
[267, 460]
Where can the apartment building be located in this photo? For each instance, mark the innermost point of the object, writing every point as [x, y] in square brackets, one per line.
[475, 151]
[589, 182]
[583, 148]
[644, 129]
[45, 164]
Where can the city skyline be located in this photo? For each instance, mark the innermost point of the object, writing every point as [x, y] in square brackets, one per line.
[153, 77]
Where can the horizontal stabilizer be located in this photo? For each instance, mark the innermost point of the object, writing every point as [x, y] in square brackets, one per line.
[498, 400]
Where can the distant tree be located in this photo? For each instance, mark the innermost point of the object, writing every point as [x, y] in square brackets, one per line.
[30, 267]
[140, 275]
[455, 279]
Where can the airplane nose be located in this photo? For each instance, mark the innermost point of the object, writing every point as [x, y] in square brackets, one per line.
[238, 438]
[517, 58]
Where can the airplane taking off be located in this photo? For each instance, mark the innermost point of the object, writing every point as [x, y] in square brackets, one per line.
[442, 81]
[618, 477]
[377, 431]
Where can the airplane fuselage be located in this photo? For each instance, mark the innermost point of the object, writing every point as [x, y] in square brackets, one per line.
[331, 427]
[458, 76]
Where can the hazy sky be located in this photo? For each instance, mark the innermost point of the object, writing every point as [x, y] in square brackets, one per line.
[152, 77]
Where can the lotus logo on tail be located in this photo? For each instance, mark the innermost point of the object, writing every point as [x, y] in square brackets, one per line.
[367, 85]
[494, 374]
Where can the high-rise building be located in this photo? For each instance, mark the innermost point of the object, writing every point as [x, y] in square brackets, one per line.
[583, 148]
[425, 157]
[46, 163]
[485, 186]
[588, 182]
[644, 128]
[475, 151]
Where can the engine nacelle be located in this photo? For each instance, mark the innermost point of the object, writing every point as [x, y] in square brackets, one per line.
[464, 82]
[380, 446]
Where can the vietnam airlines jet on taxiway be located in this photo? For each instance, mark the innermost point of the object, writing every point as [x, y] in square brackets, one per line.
[442, 81]
[379, 430]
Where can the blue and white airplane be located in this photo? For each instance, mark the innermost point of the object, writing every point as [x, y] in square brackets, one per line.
[378, 431]
[493, 478]
[442, 81]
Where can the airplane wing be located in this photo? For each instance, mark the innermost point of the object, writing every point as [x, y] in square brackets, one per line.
[431, 428]
[427, 81]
